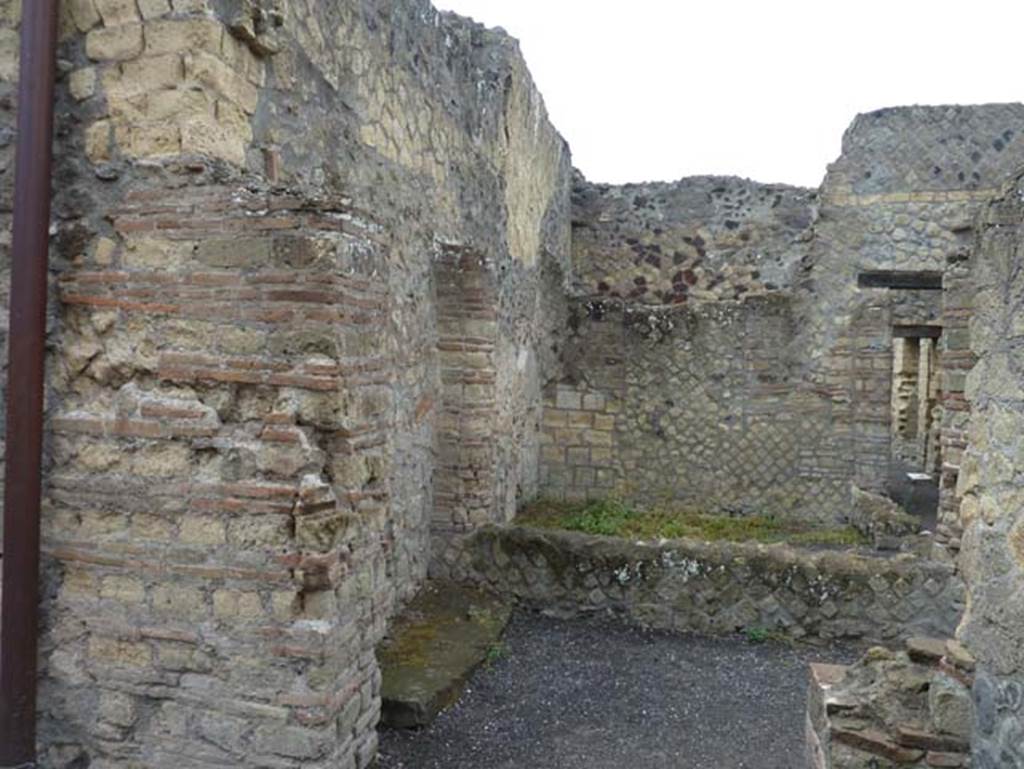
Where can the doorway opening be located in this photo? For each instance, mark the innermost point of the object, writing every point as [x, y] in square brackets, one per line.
[915, 437]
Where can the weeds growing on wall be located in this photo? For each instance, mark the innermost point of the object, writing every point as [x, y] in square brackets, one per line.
[614, 518]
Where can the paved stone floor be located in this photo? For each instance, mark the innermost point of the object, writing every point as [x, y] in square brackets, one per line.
[593, 694]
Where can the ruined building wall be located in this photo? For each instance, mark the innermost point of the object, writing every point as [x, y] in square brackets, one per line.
[699, 239]
[259, 380]
[902, 196]
[993, 545]
[697, 406]
[679, 374]
[722, 352]
[308, 273]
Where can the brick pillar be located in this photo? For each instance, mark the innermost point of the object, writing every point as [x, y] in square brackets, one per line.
[871, 403]
[955, 361]
[217, 525]
[467, 337]
[218, 509]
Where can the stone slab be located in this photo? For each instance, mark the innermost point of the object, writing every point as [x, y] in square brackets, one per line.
[927, 651]
[433, 648]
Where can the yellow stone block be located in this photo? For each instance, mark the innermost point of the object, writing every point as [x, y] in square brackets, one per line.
[79, 583]
[117, 12]
[151, 9]
[242, 60]
[141, 76]
[147, 140]
[111, 651]
[580, 418]
[82, 83]
[207, 137]
[128, 590]
[284, 605]
[103, 252]
[101, 524]
[182, 35]
[84, 14]
[157, 253]
[114, 43]
[211, 72]
[179, 103]
[163, 460]
[152, 528]
[201, 530]
[185, 603]
[236, 604]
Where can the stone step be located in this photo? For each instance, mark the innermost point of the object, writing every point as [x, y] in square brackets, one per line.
[434, 646]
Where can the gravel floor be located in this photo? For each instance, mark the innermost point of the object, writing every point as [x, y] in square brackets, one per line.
[593, 694]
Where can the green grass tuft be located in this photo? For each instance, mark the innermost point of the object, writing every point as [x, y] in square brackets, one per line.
[607, 517]
[494, 653]
[758, 635]
[614, 518]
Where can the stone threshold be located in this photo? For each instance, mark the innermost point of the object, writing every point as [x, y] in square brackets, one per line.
[434, 646]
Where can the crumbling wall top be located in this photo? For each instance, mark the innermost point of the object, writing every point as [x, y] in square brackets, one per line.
[936, 148]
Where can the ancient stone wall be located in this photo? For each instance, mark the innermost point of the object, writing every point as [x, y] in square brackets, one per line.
[254, 377]
[902, 196]
[696, 406]
[680, 377]
[717, 588]
[701, 238]
[772, 390]
[993, 547]
[309, 327]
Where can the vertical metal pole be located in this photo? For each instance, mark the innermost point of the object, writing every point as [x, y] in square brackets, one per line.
[26, 340]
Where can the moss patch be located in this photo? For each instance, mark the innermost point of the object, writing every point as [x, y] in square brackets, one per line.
[433, 647]
[617, 519]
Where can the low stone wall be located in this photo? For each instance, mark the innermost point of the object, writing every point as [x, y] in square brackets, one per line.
[910, 708]
[716, 588]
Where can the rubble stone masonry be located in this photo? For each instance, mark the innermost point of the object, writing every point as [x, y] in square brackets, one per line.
[264, 394]
[328, 300]
[993, 560]
[718, 588]
[740, 363]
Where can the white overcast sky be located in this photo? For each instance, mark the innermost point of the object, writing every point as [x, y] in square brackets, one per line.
[660, 89]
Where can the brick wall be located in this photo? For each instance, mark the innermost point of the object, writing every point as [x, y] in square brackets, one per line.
[956, 360]
[219, 501]
[468, 323]
[578, 444]
[252, 361]
[309, 272]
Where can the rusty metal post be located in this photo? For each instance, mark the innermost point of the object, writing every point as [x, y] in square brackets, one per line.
[26, 340]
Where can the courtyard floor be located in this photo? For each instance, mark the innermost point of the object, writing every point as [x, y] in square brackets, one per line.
[594, 694]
